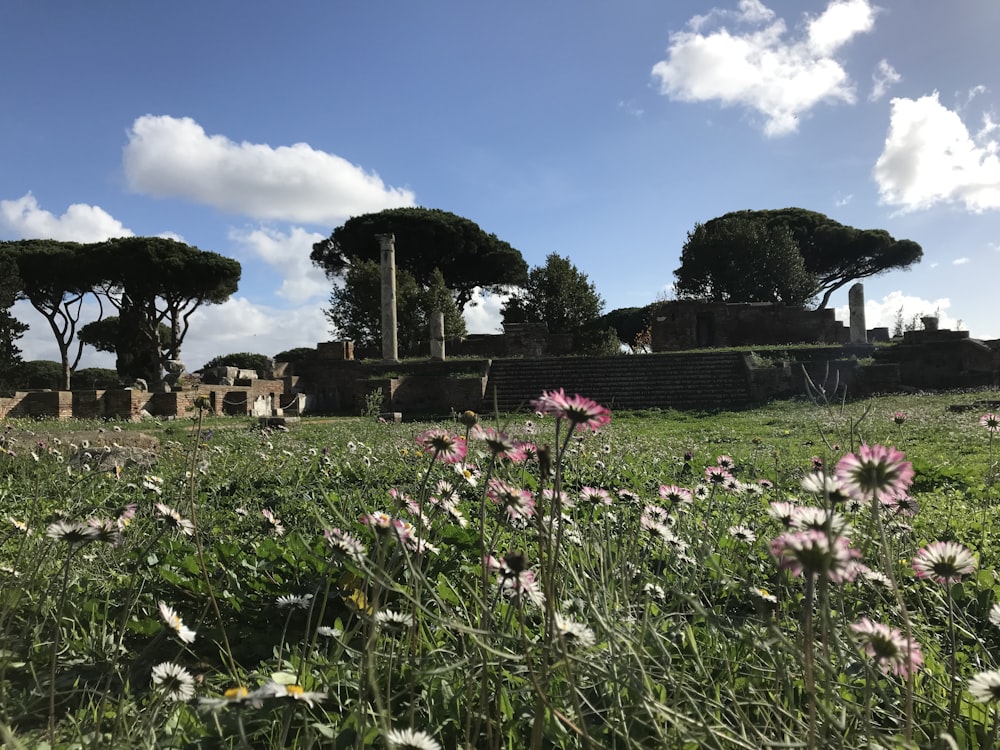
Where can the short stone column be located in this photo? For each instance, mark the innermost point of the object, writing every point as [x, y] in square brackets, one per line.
[856, 302]
[390, 347]
[437, 336]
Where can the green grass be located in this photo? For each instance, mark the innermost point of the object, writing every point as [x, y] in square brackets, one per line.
[657, 628]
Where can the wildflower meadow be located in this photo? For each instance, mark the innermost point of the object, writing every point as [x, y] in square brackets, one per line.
[807, 574]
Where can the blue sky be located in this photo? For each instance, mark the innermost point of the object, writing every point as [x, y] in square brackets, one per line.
[600, 131]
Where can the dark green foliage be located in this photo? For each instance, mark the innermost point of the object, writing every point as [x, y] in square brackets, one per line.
[426, 239]
[833, 254]
[103, 334]
[11, 329]
[154, 281]
[55, 279]
[95, 378]
[741, 258]
[628, 323]
[296, 354]
[244, 360]
[597, 341]
[356, 308]
[559, 295]
[39, 374]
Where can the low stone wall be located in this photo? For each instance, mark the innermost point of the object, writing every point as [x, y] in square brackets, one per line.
[128, 404]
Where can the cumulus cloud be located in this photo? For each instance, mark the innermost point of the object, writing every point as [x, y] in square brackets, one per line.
[931, 158]
[288, 254]
[884, 77]
[174, 157]
[25, 219]
[759, 65]
[896, 305]
[483, 315]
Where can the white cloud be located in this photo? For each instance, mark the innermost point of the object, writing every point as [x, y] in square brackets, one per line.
[960, 261]
[81, 222]
[930, 157]
[844, 200]
[484, 316]
[239, 325]
[289, 255]
[883, 313]
[884, 77]
[763, 68]
[174, 157]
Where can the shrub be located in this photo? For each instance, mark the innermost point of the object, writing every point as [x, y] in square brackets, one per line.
[294, 355]
[96, 378]
[39, 374]
[244, 360]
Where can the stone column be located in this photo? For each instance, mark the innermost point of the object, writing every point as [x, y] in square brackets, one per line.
[390, 347]
[437, 336]
[856, 301]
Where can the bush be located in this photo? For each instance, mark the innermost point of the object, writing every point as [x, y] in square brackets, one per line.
[244, 360]
[96, 378]
[294, 355]
[39, 374]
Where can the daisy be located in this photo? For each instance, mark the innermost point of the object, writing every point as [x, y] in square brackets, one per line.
[380, 521]
[595, 496]
[944, 562]
[392, 621]
[515, 580]
[580, 412]
[991, 422]
[995, 615]
[517, 502]
[821, 519]
[272, 523]
[673, 494]
[411, 739]
[764, 595]
[813, 552]
[783, 512]
[717, 475]
[174, 622]
[106, 530]
[888, 647]
[877, 471]
[175, 519]
[151, 482]
[176, 682]
[899, 417]
[449, 448]
[327, 632]
[346, 544]
[822, 484]
[501, 445]
[574, 633]
[19, 525]
[291, 600]
[743, 534]
[298, 693]
[985, 686]
[70, 532]
[725, 462]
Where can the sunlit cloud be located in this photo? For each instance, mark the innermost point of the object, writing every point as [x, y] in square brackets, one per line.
[931, 158]
[171, 157]
[884, 78]
[749, 58]
[25, 219]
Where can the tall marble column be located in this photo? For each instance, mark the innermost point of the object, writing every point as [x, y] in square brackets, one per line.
[390, 346]
[856, 303]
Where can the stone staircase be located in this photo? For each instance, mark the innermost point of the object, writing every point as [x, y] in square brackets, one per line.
[690, 381]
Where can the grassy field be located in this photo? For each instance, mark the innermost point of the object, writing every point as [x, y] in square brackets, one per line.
[668, 580]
